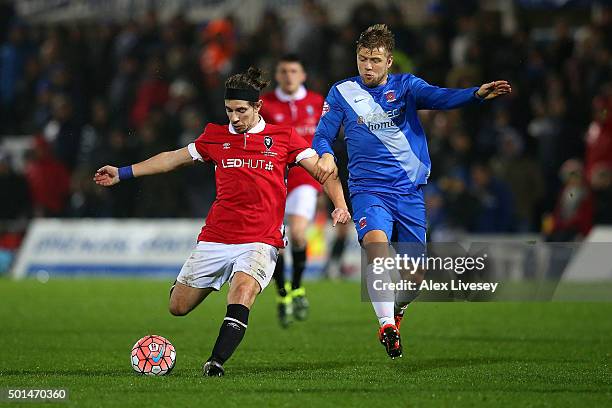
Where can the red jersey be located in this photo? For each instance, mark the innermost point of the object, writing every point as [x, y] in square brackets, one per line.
[249, 174]
[301, 111]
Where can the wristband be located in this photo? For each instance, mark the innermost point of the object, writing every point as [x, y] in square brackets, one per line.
[125, 173]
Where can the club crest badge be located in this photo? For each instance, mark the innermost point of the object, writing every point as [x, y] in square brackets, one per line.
[268, 142]
[390, 96]
[362, 222]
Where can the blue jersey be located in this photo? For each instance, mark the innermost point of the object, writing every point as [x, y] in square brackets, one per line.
[386, 144]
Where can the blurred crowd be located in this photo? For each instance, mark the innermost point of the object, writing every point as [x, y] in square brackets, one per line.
[103, 92]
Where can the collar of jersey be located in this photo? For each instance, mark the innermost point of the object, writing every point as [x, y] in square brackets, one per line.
[259, 127]
[297, 96]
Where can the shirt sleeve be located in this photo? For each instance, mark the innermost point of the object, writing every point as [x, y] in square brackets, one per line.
[298, 149]
[199, 148]
[433, 97]
[329, 124]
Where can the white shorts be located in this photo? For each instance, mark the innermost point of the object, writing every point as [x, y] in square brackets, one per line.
[302, 201]
[212, 264]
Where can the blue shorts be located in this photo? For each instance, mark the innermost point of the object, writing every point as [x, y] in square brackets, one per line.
[400, 216]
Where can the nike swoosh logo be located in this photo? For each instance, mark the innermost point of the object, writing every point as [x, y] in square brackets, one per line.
[357, 100]
[159, 356]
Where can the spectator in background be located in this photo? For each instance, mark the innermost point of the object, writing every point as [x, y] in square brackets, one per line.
[87, 200]
[315, 48]
[120, 149]
[48, 181]
[464, 44]
[126, 41]
[200, 196]
[152, 92]
[151, 203]
[14, 54]
[24, 120]
[495, 202]
[298, 31]
[122, 90]
[460, 153]
[461, 206]
[601, 185]
[492, 136]
[219, 47]
[265, 45]
[100, 53]
[523, 176]
[557, 140]
[14, 186]
[434, 63]
[216, 59]
[340, 51]
[573, 213]
[437, 217]
[94, 136]
[181, 99]
[62, 132]
[599, 133]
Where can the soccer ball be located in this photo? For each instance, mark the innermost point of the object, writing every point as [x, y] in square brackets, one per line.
[153, 355]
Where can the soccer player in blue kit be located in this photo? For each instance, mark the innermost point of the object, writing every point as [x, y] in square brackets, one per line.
[388, 156]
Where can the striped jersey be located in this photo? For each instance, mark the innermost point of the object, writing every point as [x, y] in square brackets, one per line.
[386, 144]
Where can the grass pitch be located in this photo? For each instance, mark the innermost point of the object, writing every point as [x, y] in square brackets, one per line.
[77, 334]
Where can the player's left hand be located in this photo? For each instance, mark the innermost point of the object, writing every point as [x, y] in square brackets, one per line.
[107, 176]
[494, 89]
[340, 215]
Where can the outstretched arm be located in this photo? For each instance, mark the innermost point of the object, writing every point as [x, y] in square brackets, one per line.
[333, 189]
[161, 163]
[432, 97]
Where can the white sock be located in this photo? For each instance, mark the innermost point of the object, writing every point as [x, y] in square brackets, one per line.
[382, 301]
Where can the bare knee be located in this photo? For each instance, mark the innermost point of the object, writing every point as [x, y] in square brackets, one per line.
[246, 294]
[178, 309]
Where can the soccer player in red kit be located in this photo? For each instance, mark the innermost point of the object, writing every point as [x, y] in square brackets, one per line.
[243, 231]
[292, 104]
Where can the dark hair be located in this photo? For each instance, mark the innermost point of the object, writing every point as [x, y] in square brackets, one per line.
[252, 79]
[291, 58]
[377, 36]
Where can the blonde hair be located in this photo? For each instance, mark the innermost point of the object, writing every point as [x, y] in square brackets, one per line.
[377, 36]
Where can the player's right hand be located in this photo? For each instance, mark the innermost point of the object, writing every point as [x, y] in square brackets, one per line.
[325, 167]
[107, 176]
